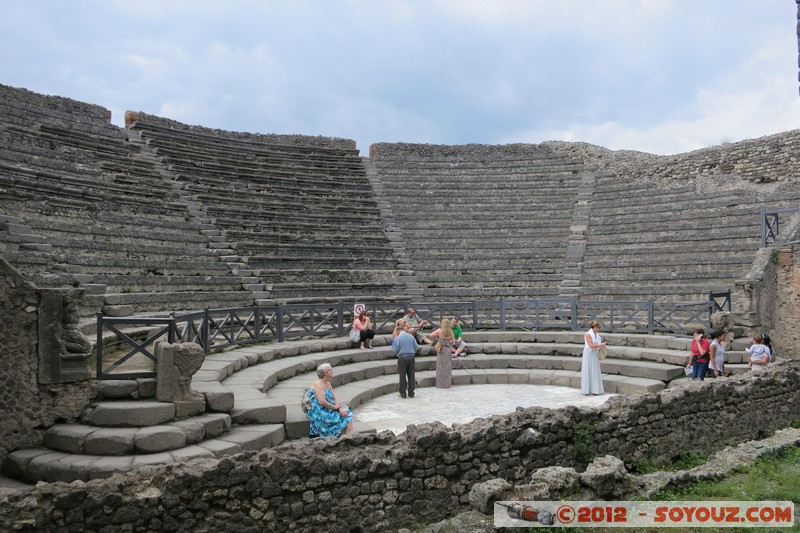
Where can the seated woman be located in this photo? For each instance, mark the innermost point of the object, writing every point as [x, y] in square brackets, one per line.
[363, 324]
[328, 417]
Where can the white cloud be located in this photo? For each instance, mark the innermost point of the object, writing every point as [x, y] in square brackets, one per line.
[658, 75]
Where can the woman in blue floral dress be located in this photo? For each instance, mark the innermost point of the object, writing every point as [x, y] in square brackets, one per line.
[327, 416]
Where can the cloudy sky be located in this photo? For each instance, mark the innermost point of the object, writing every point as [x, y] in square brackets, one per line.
[663, 76]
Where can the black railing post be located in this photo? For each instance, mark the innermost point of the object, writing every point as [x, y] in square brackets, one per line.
[171, 331]
[573, 319]
[257, 325]
[99, 345]
[651, 317]
[474, 316]
[205, 331]
[340, 325]
[279, 322]
[502, 314]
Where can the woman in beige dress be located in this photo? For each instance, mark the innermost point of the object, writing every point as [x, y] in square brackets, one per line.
[444, 361]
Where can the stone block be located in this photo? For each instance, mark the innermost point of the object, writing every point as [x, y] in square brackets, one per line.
[68, 438]
[190, 407]
[147, 387]
[638, 385]
[152, 459]
[113, 414]
[218, 399]
[216, 424]
[115, 389]
[264, 411]
[296, 425]
[194, 430]
[159, 439]
[483, 495]
[38, 467]
[256, 437]
[118, 310]
[221, 448]
[106, 467]
[182, 455]
[110, 441]
[16, 463]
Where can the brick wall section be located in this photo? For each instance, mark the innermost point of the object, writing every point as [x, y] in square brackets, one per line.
[381, 482]
[25, 407]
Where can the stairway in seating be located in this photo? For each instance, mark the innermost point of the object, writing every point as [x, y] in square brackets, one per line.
[392, 230]
[573, 265]
[197, 213]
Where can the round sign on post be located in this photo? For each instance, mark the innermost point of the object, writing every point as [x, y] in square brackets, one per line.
[358, 309]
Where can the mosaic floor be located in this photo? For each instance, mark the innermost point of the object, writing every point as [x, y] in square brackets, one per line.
[464, 403]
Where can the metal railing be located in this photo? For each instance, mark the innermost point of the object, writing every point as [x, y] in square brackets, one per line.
[770, 225]
[217, 329]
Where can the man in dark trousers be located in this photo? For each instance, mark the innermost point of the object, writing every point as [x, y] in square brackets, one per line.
[405, 347]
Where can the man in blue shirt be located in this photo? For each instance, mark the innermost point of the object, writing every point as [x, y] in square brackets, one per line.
[405, 347]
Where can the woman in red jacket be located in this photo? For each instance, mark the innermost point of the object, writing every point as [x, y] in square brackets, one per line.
[700, 355]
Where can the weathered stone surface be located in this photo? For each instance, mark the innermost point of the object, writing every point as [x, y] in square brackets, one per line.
[483, 495]
[560, 481]
[132, 413]
[67, 438]
[110, 441]
[607, 477]
[159, 439]
[115, 389]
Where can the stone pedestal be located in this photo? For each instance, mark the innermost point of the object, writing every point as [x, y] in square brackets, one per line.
[177, 363]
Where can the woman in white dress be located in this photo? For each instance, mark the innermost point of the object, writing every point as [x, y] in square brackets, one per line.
[591, 380]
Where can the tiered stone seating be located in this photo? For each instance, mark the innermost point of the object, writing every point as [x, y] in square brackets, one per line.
[81, 203]
[302, 218]
[253, 395]
[669, 242]
[491, 225]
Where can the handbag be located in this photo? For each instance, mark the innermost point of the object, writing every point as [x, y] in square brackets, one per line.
[355, 336]
[602, 353]
[437, 347]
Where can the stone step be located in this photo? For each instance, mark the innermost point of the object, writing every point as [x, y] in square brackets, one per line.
[94, 440]
[126, 413]
[41, 464]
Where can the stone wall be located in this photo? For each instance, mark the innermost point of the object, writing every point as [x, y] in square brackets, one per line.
[382, 482]
[765, 160]
[786, 338]
[262, 138]
[26, 407]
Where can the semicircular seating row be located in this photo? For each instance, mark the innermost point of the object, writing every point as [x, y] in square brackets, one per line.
[253, 396]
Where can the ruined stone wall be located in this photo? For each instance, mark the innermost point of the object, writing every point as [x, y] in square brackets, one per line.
[59, 108]
[382, 482]
[768, 159]
[786, 336]
[25, 406]
[132, 117]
